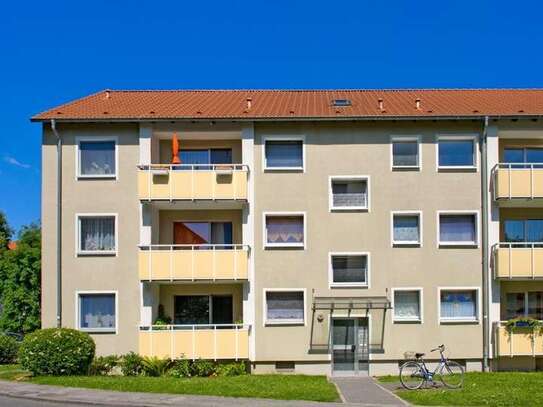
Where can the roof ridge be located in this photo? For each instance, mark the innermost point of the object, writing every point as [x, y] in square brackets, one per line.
[323, 90]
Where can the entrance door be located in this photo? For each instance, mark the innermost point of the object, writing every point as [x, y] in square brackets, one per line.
[349, 345]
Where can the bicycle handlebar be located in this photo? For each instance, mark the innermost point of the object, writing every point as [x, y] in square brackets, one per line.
[440, 348]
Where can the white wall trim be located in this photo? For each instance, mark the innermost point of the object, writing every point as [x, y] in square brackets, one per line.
[457, 137]
[331, 283]
[282, 322]
[419, 320]
[418, 213]
[460, 321]
[283, 137]
[78, 140]
[78, 251]
[266, 245]
[333, 208]
[475, 244]
[78, 293]
[404, 138]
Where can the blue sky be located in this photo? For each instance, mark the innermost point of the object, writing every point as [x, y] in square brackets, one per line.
[55, 51]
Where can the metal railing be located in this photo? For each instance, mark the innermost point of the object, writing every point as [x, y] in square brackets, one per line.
[350, 200]
[511, 247]
[239, 333]
[511, 168]
[173, 249]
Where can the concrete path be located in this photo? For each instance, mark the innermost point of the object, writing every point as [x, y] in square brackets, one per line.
[365, 391]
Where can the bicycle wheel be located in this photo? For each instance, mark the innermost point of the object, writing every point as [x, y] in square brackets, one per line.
[452, 375]
[411, 375]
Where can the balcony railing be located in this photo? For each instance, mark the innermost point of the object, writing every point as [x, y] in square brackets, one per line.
[193, 262]
[518, 341]
[518, 260]
[195, 341]
[514, 181]
[192, 182]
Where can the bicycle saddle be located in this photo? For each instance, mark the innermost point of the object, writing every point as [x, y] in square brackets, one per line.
[419, 355]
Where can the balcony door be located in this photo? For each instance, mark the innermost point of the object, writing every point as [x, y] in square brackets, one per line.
[523, 230]
[202, 233]
[203, 309]
[206, 157]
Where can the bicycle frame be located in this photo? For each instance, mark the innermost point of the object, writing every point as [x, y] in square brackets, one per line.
[428, 375]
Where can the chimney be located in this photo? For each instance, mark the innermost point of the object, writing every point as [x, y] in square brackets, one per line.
[249, 103]
[381, 104]
[417, 103]
[108, 94]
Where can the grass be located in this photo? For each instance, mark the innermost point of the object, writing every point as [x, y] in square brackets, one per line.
[282, 387]
[500, 389]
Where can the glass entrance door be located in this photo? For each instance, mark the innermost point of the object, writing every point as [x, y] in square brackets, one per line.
[349, 345]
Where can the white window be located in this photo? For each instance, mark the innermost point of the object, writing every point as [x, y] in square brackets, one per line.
[405, 152]
[96, 311]
[349, 193]
[284, 229]
[458, 304]
[524, 304]
[97, 157]
[349, 269]
[284, 306]
[456, 152]
[283, 153]
[96, 234]
[407, 304]
[459, 228]
[406, 228]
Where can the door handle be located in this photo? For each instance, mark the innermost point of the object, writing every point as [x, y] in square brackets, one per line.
[353, 348]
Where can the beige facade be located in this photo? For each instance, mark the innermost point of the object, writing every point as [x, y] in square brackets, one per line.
[348, 149]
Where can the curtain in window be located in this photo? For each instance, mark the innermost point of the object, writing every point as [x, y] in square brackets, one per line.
[285, 229]
[515, 305]
[285, 305]
[534, 230]
[221, 156]
[221, 233]
[458, 304]
[513, 156]
[97, 234]
[406, 304]
[534, 155]
[97, 157]
[97, 310]
[349, 193]
[535, 305]
[457, 228]
[513, 230]
[456, 153]
[406, 228]
[349, 269]
[405, 153]
[284, 154]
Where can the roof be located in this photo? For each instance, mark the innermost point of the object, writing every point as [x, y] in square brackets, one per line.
[133, 105]
[12, 245]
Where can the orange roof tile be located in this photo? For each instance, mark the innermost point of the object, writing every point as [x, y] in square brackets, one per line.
[12, 245]
[302, 104]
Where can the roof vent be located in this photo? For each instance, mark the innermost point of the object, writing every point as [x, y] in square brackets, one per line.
[417, 103]
[381, 104]
[249, 103]
[341, 102]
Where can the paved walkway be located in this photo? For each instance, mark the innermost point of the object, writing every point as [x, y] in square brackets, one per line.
[365, 391]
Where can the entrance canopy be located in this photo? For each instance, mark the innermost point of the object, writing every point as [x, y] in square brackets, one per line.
[351, 303]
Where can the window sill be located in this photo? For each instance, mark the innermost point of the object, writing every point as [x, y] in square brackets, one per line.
[284, 245]
[349, 208]
[349, 285]
[97, 176]
[406, 168]
[406, 244]
[452, 168]
[284, 169]
[459, 244]
[407, 320]
[99, 330]
[459, 321]
[284, 322]
[106, 253]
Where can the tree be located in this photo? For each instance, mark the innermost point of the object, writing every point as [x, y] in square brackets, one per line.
[5, 232]
[20, 276]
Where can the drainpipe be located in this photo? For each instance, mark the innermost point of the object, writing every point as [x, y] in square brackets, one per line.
[484, 217]
[59, 223]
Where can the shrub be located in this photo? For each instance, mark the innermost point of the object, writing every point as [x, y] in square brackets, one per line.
[8, 349]
[103, 365]
[180, 368]
[57, 351]
[131, 364]
[203, 368]
[153, 366]
[231, 369]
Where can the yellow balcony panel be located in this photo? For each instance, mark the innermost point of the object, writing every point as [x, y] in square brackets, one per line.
[518, 181]
[518, 341]
[193, 182]
[193, 262]
[521, 261]
[195, 342]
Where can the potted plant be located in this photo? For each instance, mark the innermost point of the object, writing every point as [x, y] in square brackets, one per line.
[523, 322]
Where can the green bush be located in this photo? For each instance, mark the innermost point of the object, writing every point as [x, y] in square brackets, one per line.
[203, 368]
[8, 349]
[155, 367]
[103, 365]
[231, 369]
[180, 368]
[57, 351]
[131, 364]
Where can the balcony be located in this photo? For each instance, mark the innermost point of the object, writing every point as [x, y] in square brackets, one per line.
[193, 262]
[195, 341]
[518, 181]
[520, 261]
[518, 341]
[189, 182]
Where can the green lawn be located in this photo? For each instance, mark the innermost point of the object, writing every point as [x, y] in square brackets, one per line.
[283, 387]
[481, 389]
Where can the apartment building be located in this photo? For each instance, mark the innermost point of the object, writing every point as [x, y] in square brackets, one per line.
[326, 232]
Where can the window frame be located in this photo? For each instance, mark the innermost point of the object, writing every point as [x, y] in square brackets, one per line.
[526, 299]
[445, 321]
[266, 138]
[459, 243]
[267, 245]
[78, 251]
[406, 138]
[420, 319]
[394, 243]
[78, 327]
[83, 139]
[458, 137]
[276, 322]
[332, 284]
[333, 178]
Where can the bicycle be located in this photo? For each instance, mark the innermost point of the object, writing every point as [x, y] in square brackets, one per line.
[414, 373]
